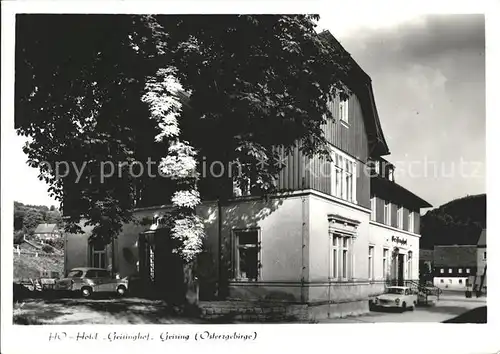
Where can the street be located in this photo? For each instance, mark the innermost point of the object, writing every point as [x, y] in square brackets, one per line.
[449, 306]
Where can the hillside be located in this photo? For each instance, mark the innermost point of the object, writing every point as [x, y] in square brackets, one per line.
[457, 222]
[28, 266]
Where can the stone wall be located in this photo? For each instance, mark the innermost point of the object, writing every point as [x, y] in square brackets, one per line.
[247, 311]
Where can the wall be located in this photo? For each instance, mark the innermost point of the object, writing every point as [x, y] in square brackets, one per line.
[481, 262]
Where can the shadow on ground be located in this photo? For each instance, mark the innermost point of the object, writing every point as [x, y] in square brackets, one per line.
[477, 315]
[97, 311]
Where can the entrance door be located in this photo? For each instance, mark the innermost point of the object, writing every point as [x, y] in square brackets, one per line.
[401, 265]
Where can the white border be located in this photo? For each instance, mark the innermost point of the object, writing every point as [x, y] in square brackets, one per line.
[398, 337]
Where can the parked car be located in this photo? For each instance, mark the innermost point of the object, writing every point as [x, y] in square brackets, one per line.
[87, 281]
[397, 296]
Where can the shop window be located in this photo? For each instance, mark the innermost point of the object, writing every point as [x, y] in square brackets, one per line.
[247, 254]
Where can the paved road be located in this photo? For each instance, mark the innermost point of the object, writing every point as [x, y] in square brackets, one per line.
[450, 305]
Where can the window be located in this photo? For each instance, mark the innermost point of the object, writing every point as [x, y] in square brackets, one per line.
[484, 256]
[411, 222]
[450, 270]
[385, 255]
[373, 207]
[344, 111]
[247, 254]
[450, 281]
[377, 167]
[343, 177]
[370, 262]
[467, 270]
[460, 270]
[387, 213]
[442, 281]
[340, 256]
[442, 271]
[400, 217]
[460, 281]
[98, 254]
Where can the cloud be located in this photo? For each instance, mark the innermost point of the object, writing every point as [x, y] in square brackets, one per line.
[428, 76]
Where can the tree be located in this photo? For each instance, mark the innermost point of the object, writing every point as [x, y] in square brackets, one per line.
[172, 89]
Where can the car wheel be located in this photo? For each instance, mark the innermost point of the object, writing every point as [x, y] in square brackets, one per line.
[121, 290]
[86, 292]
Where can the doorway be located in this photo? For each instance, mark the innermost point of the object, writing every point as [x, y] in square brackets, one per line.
[401, 265]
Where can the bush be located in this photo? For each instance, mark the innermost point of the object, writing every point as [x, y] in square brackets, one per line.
[58, 243]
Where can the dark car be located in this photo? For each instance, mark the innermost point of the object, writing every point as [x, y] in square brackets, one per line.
[87, 281]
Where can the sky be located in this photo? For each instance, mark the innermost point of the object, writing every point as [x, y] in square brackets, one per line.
[428, 76]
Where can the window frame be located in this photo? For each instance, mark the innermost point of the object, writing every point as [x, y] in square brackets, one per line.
[400, 217]
[371, 262]
[100, 253]
[387, 212]
[236, 255]
[373, 208]
[344, 111]
[385, 259]
[450, 270]
[411, 221]
[341, 268]
[343, 176]
[441, 271]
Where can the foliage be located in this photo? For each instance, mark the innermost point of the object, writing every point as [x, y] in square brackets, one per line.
[457, 222]
[27, 217]
[171, 89]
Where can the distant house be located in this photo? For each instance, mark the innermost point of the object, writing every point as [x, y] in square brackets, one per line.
[47, 232]
[453, 265]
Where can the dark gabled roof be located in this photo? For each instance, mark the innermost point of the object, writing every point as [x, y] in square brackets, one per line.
[45, 228]
[389, 190]
[426, 255]
[362, 86]
[482, 239]
[455, 256]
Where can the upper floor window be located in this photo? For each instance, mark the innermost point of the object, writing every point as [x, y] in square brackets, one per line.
[373, 207]
[450, 270]
[411, 221]
[343, 176]
[400, 217]
[467, 270]
[441, 270]
[460, 270]
[344, 111]
[387, 212]
[246, 264]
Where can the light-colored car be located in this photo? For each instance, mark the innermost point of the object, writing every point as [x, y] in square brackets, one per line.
[87, 281]
[397, 296]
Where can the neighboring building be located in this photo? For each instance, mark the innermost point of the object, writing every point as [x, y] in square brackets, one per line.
[47, 232]
[454, 265]
[331, 241]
